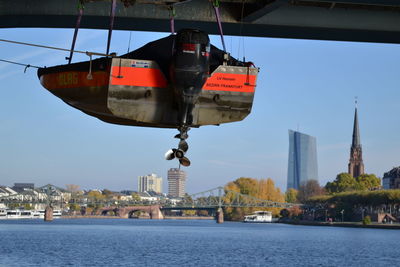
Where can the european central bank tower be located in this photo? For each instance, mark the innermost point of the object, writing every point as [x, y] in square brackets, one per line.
[302, 164]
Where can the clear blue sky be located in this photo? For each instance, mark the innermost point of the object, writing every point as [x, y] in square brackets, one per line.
[302, 84]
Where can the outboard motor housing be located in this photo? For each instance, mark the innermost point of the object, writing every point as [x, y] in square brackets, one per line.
[189, 70]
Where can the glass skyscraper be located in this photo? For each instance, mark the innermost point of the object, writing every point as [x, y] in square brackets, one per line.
[302, 164]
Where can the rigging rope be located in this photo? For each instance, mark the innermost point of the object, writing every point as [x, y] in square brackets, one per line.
[58, 48]
[21, 64]
[172, 14]
[216, 9]
[129, 43]
[78, 23]
[112, 15]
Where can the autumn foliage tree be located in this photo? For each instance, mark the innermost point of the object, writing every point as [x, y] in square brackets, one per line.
[262, 189]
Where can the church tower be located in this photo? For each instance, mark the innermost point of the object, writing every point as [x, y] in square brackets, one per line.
[356, 165]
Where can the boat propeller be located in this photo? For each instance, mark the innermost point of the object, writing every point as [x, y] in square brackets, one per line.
[179, 153]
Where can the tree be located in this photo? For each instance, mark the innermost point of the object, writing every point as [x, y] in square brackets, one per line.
[262, 189]
[343, 182]
[189, 212]
[95, 195]
[309, 189]
[368, 182]
[107, 193]
[291, 195]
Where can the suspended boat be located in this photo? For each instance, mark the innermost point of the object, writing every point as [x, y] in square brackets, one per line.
[180, 81]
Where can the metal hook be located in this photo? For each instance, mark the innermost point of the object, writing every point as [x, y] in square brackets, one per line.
[27, 66]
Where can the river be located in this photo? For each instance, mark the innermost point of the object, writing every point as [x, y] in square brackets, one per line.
[124, 242]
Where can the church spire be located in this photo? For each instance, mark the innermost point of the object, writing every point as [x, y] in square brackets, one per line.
[356, 165]
[356, 132]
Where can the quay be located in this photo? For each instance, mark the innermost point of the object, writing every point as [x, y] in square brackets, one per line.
[344, 224]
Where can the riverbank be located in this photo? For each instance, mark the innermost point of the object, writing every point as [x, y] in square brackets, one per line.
[117, 217]
[344, 224]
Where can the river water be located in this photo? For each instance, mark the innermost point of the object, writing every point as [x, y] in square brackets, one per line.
[123, 242]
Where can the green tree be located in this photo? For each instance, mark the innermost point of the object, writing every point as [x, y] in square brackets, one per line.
[343, 182]
[368, 182]
[366, 220]
[291, 195]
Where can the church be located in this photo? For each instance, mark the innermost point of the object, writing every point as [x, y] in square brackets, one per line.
[356, 165]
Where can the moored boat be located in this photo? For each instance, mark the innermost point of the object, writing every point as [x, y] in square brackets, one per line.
[26, 214]
[259, 217]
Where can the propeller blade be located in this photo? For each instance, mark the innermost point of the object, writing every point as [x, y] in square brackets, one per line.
[184, 161]
[170, 154]
[182, 136]
[183, 145]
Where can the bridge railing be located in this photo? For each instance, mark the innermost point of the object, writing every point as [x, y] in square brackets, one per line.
[214, 198]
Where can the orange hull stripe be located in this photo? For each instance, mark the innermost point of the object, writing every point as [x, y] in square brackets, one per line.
[132, 76]
[74, 79]
[231, 82]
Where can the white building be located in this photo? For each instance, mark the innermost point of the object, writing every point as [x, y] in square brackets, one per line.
[149, 183]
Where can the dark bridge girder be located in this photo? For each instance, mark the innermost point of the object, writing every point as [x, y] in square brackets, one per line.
[342, 20]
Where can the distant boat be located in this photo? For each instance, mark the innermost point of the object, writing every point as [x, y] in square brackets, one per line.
[259, 217]
[26, 214]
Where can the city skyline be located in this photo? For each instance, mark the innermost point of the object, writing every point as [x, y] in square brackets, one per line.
[301, 82]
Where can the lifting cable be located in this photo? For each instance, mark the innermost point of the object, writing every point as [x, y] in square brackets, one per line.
[21, 64]
[112, 15]
[217, 15]
[78, 23]
[129, 42]
[172, 14]
[241, 34]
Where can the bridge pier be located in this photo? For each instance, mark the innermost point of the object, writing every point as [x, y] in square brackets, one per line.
[156, 214]
[220, 215]
[48, 214]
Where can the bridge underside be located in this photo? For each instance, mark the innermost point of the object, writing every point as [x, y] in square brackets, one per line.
[342, 20]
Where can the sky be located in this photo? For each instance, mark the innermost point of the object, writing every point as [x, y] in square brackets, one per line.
[303, 84]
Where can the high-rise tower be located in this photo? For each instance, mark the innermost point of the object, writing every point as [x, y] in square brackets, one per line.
[302, 165]
[150, 182]
[356, 165]
[176, 182]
